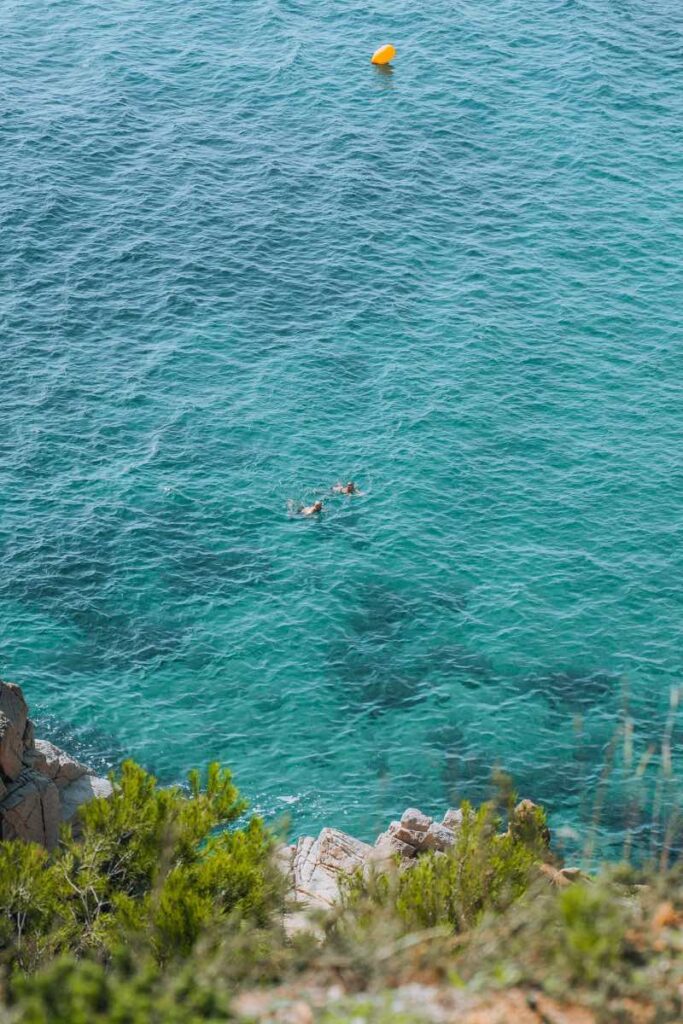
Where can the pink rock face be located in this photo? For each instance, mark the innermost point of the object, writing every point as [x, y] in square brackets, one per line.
[11, 747]
[39, 784]
[29, 737]
[56, 765]
[30, 810]
[387, 845]
[13, 705]
[411, 837]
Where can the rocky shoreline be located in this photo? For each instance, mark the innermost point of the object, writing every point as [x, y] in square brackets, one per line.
[314, 866]
[41, 786]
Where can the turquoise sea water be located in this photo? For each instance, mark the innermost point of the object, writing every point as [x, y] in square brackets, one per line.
[238, 264]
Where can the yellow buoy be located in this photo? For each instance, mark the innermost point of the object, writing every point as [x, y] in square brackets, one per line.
[384, 54]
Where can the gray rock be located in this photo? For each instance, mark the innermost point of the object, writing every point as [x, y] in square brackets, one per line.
[452, 818]
[319, 863]
[81, 791]
[58, 766]
[439, 838]
[11, 747]
[30, 810]
[415, 820]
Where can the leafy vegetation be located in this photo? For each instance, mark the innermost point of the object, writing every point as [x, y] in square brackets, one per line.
[487, 870]
[168, 906]
[149, 867]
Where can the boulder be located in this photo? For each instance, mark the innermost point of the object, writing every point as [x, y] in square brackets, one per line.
[56, 765]
[415, 820]
[11, 747]
[386, 845]
[319, 863]
[397, 830]
[39, 784]
[80, 791]
[439, 838]
[30, 810]
[452, 818]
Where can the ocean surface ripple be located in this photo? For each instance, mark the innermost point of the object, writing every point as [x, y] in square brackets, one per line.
[239, 263]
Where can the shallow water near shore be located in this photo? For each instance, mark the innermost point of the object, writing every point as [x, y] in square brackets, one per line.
[240, 264]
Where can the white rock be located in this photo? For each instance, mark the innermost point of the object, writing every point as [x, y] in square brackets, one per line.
[283, 856]
[319, 863]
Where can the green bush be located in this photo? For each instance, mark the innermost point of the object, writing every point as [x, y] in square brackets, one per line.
[153, 866]
[590, 930]
[33, 893]
[72, 992]
[169, 904]
[485, 870]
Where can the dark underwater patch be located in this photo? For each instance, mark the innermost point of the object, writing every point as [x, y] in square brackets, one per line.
[371, 678]
[575, 689]
[369, 659]
[53, 571]
[456, 663]
[120, 641]
[380, 612]
[201, 570]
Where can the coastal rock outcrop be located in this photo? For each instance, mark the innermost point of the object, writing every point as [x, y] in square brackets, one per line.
[55, 764]
[40, 785]
[318, 864]
[315, 865]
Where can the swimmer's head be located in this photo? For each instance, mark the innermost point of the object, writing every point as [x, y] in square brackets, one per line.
[317, 506]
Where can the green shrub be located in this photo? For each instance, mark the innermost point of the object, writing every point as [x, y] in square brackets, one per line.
[590, 936]
[72, 992]
[32, 894]
[149, 868]
[485, 870]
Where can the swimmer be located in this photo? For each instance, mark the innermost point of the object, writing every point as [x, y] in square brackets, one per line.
[311, 510]
[349, 488]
